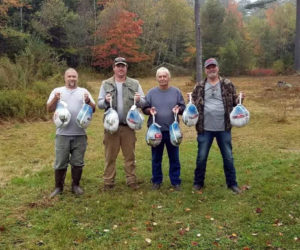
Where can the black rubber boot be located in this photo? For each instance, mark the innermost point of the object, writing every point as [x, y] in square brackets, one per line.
[60, 175]
[76, 177]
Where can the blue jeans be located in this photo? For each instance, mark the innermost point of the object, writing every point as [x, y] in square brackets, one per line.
[204, 144]
[173, 153]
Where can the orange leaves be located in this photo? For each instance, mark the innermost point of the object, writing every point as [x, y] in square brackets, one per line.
[120, 39]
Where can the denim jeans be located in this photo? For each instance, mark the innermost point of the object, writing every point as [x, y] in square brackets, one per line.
[173, 153]
[205, 140]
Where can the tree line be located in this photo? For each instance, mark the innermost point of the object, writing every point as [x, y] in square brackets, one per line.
[40, 37]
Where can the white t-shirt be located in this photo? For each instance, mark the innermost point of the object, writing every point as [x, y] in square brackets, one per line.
[74, 99]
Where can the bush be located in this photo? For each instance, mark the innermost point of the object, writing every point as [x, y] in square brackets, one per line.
[279, 67]
[261, 72]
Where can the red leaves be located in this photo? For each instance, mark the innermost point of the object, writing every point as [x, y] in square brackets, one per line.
[2, 229]
[258, 210]
[120, 36]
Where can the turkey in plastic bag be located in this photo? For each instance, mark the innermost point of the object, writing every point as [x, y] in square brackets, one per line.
[190, 114]
[134, 118]
[62, 115]
[84, 116]
[239, 116]
[154, 135]
[175, 133]
[111, 119]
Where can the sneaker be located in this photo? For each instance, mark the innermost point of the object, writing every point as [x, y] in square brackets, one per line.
[134, 186]
[197, 187]
[235, 189]
[176, 187]
[155, 186]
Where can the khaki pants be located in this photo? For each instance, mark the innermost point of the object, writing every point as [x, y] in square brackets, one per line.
[125, 139]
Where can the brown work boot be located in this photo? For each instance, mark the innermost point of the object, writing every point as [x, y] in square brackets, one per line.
[60, 175]
[133, 186]
[108, 187]
[76, 177]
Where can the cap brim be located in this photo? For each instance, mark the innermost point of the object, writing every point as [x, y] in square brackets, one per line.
[211, 64]
[124, 63]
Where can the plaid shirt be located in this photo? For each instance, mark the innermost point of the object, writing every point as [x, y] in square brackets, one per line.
[229, 96]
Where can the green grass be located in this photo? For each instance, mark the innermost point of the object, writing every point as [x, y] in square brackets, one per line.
[267, 215]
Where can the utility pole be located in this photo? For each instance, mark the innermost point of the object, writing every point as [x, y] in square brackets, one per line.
[198, 42]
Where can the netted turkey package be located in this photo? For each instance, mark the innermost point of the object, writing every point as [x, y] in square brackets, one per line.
[239, 116]
[154, 135]
[175, 132]
[190, 114]
[134, 118]
[111, 119]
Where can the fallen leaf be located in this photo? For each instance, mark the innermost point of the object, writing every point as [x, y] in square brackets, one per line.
[148, 222]
[40, 243]
[280, 234]
[246, 248]
[187, 229]
[258, 210]
[198, 235]
[159, 206]
[181, 231]
[254, 234]
[212, 219]
[148, 240]
[106, 230]
[216, 244]
[245, 187]
[2, 228]
[154, 224]
[194, 243]
[149, 229]
[134, 229]
[154, 206]
[115, 226]
[269, 244]
[220, 227]
[159, 245]
[187, 209]
[178, 222]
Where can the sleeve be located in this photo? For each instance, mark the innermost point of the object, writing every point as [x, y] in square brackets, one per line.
[51, 96]
[235, 97]
[181, 102]
[147, 103]
[101, 98]
[142, 101]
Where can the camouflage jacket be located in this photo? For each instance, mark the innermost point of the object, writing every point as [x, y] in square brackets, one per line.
[229, 100]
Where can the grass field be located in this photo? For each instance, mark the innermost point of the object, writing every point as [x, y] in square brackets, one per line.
[265, 216]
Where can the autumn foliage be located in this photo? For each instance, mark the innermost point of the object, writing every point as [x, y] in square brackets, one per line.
[119, 39]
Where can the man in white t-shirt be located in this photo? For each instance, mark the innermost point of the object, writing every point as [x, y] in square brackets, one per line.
[71, 140]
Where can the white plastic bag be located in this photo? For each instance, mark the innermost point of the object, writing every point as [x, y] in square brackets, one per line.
[62, 115]
[111, 120]
[84, 116]
[239, 116]
[175, 133]
[134, 118]
[154, 135]
[190, 114]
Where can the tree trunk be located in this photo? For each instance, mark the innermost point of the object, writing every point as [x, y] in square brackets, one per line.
[198, 42]
[297, 38]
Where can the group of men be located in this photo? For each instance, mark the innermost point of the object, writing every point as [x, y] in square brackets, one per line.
[214, 98]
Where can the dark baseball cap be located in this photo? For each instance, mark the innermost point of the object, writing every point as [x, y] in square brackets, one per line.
[120, 60]
[210, 61]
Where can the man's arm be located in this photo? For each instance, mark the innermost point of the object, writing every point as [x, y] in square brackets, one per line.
[51, 106]
[102, 103]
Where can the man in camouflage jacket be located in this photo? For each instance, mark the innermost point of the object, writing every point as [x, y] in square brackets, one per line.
[214, 98]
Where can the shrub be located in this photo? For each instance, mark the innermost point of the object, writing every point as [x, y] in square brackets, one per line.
[261, 72]
[279, 67]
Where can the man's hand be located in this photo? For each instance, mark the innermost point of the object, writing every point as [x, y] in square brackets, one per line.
[57, 96]
[176, 109]
[137, 97]
[108, 98]
[87, 99]
[153, 111]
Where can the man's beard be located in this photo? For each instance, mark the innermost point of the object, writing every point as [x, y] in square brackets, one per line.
[71, 84]
[212, 75]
